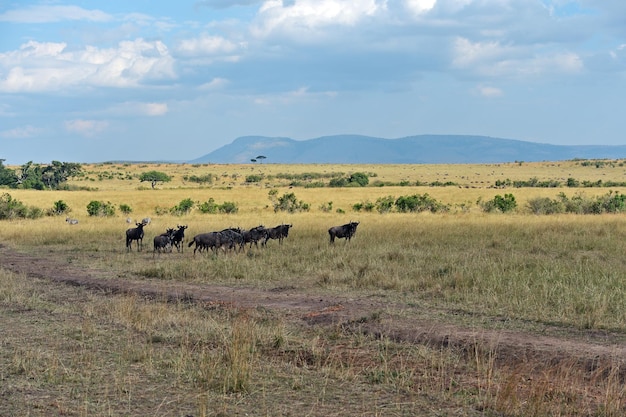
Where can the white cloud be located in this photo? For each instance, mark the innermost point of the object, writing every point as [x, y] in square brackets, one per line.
[468, 54]
[494, 60]
[214, 84]
[86, 127]
[294, 96]
[208, 45]
[53, 13]
[135, 109]
[155, 109]
[21, 132]
[489, 92]
[48, 66]
[420, 6]
[559, 63]
[307, 15]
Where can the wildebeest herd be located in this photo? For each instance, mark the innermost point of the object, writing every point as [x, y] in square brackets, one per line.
[233, 239]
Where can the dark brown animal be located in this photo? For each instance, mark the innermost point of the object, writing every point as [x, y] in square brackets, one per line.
[136, 233]
[346, 231]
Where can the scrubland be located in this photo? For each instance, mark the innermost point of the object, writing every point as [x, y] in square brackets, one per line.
[71, 350]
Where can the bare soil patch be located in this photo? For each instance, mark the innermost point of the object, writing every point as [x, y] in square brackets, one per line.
[590, 350]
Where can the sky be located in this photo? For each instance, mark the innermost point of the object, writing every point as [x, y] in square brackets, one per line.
[95, 81]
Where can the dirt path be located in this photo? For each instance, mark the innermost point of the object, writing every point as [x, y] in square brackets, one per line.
[590, 350]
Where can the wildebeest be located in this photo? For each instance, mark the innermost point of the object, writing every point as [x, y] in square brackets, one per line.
[346, 231]
[254, 235]
[279, 232]
[211, 240]
[135, 233]
[163, 241]
[71, 221]
[179, 237]
[232, 238]
[146, 220]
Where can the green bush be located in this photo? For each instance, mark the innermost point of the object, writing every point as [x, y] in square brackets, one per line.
[228, 207]
[419, 203]
[338, 182]
[184, 207]
[327, 207]
[204, 179]
[499, 203]
[254, 178]
[13, 209]
[384, 204]
[359, 178]
[571, 182]
[126, 209]
[287, 202]
[60, 207]
[367, 206]
[100, 209]
[209, 207]
[545, 205]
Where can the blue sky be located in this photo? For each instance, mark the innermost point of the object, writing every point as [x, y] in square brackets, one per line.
[90, 81]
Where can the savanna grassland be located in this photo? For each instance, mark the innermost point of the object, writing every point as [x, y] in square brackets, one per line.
[448, 312]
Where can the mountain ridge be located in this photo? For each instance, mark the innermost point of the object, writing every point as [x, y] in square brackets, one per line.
[419, 149]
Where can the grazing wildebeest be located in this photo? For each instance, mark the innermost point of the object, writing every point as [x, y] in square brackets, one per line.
[346, 231]
[163, 241]
[279, 232]
[136, 233]
[254, 235]
[71, 221]
[179, 237]
[211, 240]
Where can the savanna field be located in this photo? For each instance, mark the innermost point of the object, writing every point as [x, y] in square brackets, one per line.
[468, 290]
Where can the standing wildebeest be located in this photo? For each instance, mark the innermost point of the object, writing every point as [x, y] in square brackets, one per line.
[346, 231]
[136, 233]
[179, 237]
[279, 232]
[211, 240]
[231, 238]
[254, 235]
[163, 241]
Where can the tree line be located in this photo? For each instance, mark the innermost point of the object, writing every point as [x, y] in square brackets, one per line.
[38, 176]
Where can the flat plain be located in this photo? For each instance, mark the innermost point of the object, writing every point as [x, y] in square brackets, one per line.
[455, 312]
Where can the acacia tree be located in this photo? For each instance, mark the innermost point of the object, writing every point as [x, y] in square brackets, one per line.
[39, 176]
[154, 177]
[58, 172]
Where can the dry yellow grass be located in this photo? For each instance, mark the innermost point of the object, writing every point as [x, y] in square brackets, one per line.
[558, 274]
[119, 184]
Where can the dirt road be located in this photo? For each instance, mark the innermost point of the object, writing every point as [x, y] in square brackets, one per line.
[588, 349]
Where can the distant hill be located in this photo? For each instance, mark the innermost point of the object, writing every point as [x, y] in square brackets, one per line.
[423, 149]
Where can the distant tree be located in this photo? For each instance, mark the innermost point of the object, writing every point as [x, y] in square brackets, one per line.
[7, 176]
[261, 158]
[36, 176]
[29, 176]
[58, 172]
[154, 177]
[359, 178]
[253, 160]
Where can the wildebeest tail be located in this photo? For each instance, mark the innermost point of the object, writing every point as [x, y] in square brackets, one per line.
[191, 242]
